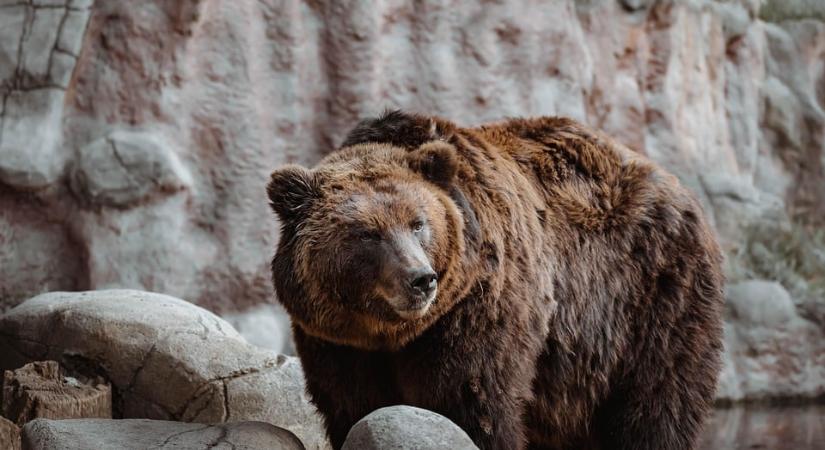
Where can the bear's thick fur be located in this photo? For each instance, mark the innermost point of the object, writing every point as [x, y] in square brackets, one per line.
[579, 289]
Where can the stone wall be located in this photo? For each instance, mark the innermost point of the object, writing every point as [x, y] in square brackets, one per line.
[136, 137]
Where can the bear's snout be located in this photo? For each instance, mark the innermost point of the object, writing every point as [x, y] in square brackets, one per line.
[423, 281]
[418, 293]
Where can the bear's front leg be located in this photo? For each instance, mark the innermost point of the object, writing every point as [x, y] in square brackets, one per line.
[480, 378]
[344, 383]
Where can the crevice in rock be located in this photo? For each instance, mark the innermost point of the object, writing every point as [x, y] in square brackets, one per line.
[65, 52]
[142, 364]
[173, 436]
[9, 338]
[221, 438]
[60, 26]
[211, 389]
[120, 392]
[168, 414]
[35, 7]
[226, 410]
[224, 379]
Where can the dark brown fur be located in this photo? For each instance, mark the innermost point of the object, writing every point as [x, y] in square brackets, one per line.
[579, 289]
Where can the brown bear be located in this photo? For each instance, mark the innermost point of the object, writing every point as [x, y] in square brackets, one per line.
[537, 283]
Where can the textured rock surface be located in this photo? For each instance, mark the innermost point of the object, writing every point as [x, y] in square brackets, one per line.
[166, 359]
[406, 428]
[39, 47]
[266, 326]
[771, 351]
[9, 435]
[140, 434]
[207, 96]
[40, 390]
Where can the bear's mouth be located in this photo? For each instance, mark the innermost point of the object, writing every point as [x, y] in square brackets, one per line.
[414, 306]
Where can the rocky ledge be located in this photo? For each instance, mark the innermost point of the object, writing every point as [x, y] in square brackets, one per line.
[165, 358]
[189, 377]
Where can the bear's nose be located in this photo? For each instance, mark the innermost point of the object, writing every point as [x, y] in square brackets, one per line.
[423, 281]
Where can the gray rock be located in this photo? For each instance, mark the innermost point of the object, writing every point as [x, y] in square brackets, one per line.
[11, 31]
[140, 434]
[30, 138]
[209, 372]
[783, 112]
[760, 303]
[770, 350]
[33, 77]
[266, 326]
[406, 428]
[126, 167]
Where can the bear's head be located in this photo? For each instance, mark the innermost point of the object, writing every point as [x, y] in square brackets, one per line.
[370, 242]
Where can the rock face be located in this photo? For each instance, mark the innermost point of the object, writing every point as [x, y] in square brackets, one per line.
[139, 434]
[771, 350]
[136, 137]
[406, 428]
[165, 358]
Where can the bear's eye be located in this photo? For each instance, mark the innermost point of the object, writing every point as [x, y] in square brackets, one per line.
[417, 225]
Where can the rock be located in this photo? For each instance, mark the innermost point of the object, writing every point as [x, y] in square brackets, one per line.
[783, 112]
[266, 326]
[139, 434]
[209, 372]
[760, 303]
[406, 428]
[30, 138]
[9, 435]
[770, 350]
[126, 167]
[40, 390]
[38, 48]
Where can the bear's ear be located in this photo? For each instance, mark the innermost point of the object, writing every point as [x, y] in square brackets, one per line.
[437, 161]
[400, 129]
[292, 190]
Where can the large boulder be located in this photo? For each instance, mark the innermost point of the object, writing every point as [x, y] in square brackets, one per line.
[406, 428]
[165, 358]
[140, 434]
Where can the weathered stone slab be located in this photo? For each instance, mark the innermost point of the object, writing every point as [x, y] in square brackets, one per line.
[141, 434]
